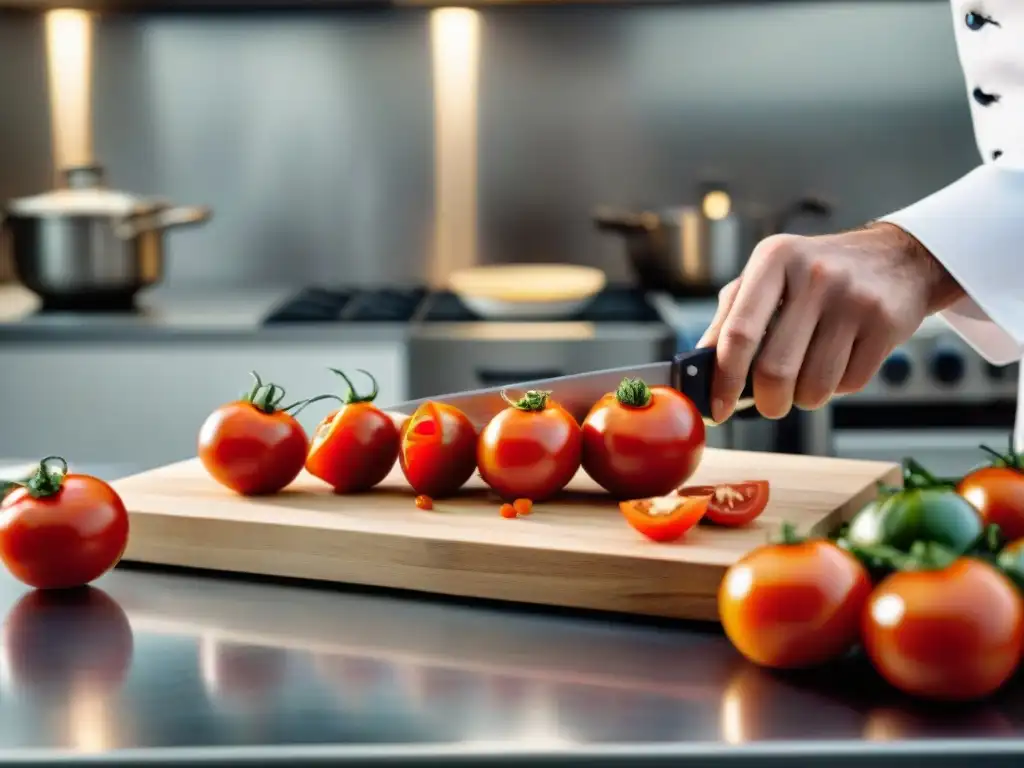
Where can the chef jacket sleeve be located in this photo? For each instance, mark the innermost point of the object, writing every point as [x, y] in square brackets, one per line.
[975, 229]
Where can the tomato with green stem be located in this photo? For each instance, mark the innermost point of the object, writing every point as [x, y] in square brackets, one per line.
[945, 627]
[61, 529]
[254, 446]
[355, 446]
[438, 450]
[665, 518]
[997, 491]
[794, 604]
[531, 449]
[642, 442]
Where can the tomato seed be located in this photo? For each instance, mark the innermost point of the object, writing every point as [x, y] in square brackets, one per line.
[424, 502]
[507, 511]
[522, 506]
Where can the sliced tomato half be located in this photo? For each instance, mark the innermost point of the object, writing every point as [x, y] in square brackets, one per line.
[665, 518]
[732, 504]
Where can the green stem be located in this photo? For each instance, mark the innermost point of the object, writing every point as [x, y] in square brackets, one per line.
[267, 397]
[929, 556]
[1011, 459]
[915, 475]
[264, 397]
[46, 482]
[885, 490]
[633, 393]
[787, 534]
[879, 556]
[301, 404]
[992, 539]
[532, 401]
[351, 397]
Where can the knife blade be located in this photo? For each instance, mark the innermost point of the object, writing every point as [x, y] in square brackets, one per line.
[691, 373]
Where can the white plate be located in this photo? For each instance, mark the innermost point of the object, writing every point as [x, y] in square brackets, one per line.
[527, 291]
[524, 310]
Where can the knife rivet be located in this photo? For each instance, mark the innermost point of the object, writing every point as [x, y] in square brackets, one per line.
[691, 370]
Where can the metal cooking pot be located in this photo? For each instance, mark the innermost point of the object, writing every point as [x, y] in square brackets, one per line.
[85, 246]
[697, 250]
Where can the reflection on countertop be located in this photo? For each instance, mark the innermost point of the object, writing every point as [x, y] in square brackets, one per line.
[152, 660]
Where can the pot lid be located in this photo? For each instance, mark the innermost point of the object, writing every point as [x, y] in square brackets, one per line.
[83, 196]
[81, 202]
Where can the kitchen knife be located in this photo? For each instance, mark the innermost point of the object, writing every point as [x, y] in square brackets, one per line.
[688, 372]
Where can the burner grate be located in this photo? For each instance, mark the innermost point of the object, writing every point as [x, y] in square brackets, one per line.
[385, 305]
[311, 305]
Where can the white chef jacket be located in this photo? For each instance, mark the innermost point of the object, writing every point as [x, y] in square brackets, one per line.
[975, 226]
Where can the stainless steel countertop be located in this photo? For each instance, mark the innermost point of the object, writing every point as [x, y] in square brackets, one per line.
[184, 313]
[164, 667]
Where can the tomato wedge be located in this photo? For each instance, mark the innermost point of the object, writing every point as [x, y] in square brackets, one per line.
[732, 504]
[664, 518]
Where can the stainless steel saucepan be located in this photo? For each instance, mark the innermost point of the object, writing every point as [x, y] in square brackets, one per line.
[697, 249]
[85, 246]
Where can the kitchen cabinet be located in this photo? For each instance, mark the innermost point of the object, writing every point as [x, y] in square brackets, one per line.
[143, 402]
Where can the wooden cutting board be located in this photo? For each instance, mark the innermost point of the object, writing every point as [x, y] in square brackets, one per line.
[575, 552]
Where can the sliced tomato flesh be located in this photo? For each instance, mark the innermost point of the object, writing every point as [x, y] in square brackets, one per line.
[426, 428]
[665, 518]
[732, 504]
[323, 430]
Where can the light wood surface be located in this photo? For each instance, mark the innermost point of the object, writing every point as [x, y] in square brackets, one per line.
[576, 551]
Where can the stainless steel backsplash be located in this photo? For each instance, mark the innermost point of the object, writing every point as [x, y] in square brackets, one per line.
[312, 135]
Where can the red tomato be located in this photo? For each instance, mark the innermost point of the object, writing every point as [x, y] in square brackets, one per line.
[56, 641]
[531, 449]
[998, 494]
[62, 530]
[732, 504]
[438, 450]
[665, 518]
[794, 605]
[354, 447]
[251, 446]
[642, 442]
[954, 634]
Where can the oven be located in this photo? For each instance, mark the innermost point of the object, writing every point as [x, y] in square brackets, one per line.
[934, 399]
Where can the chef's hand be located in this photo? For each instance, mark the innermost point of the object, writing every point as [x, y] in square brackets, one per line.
[841, 304]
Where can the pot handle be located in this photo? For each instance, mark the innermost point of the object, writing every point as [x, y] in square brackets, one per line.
[625, 222]
[805, 206]
[178, 216]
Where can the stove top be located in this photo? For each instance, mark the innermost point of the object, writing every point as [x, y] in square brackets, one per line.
[614, 304]
[348, 305]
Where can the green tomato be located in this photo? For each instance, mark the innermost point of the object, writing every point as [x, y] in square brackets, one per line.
[928, 515]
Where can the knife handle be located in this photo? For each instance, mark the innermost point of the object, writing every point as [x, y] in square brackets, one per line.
[692, 374]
